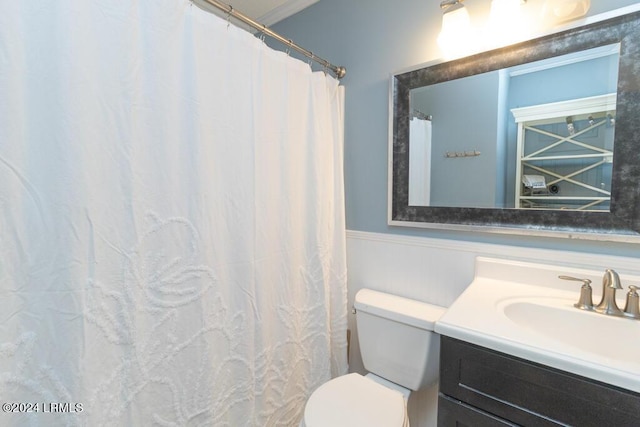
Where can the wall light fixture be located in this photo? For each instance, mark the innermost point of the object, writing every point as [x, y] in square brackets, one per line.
[564, 10]
[456, 25]
[508, 22]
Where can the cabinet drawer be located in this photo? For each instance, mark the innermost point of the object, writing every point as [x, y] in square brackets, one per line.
[528, 393]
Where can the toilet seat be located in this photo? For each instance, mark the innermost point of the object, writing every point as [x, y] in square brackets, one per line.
[353, 401]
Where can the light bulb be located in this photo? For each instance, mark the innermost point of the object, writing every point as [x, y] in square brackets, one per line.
[456, 29]
[506, 22]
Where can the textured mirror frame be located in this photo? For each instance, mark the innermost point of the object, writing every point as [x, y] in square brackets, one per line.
[622, 223]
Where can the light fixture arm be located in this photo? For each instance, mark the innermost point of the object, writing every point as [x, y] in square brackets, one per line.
[445, 4]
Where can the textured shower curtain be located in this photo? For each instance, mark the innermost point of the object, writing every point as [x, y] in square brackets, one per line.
[420, 156]
[172, 238]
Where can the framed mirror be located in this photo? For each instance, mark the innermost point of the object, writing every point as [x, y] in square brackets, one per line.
[538, 138]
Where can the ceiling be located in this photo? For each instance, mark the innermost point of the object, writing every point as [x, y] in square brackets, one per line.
[266, 12]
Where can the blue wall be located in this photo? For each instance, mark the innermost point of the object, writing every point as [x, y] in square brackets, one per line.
[374, 39]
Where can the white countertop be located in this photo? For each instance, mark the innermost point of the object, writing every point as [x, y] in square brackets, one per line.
[523, 309]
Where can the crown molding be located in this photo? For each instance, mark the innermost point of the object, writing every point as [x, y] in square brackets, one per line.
[283, 11]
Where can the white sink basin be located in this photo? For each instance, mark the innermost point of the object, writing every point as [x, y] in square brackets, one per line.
[523, 309]
[587, 331]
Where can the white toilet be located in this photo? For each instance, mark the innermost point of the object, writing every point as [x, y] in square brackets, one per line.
[401, 352]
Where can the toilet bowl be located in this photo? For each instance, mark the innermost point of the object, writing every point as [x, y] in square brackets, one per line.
[401, 352]
[355, 400]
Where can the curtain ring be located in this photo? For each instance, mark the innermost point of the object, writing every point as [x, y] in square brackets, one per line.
[264, 34]
[288, 50]
[229, 12]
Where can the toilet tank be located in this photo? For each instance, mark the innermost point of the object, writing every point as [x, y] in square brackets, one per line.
[396, 338]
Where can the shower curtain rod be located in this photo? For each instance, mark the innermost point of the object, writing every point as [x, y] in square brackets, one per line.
[339, 71]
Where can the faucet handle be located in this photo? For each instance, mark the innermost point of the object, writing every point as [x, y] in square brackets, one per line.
[586, 301]
[632, 307]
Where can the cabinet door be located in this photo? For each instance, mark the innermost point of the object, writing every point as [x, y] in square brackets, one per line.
[528, 393]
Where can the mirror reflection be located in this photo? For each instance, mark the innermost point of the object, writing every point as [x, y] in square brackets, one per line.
[534, 136]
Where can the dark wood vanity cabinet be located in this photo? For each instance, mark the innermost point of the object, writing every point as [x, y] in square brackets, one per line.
[481, 387]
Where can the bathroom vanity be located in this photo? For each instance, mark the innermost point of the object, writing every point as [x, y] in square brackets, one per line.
[516, 351]
[482, 387]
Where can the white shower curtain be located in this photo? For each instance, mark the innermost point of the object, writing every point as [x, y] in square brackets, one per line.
[420, 162]
[172, 238]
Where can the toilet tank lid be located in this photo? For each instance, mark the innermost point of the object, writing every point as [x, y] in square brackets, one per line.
[415, 313]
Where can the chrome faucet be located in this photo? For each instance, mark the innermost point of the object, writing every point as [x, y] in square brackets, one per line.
[610, 282]
[608, 305]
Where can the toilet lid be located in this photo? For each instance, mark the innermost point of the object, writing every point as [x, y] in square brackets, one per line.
[353, 401]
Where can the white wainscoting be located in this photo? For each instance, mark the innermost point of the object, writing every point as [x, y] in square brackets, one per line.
[437, 271]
